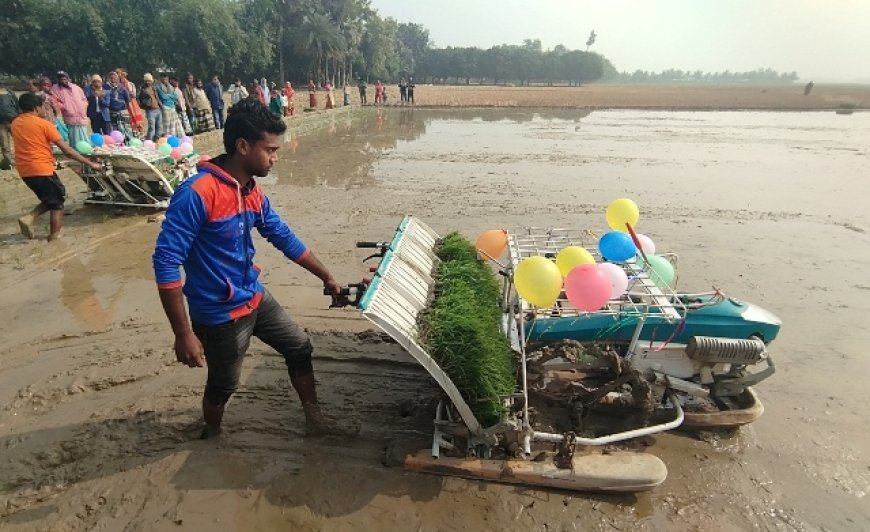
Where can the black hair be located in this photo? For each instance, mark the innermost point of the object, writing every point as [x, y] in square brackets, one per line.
[29, 101]
[249, 119]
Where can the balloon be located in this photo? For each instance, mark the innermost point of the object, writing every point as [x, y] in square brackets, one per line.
[662, 271]
[538, 281]
[117, 135]
[617, 277]
[616, 247]
[621, 212]
[149, 144]
[572, 256]
[186, 148]
[173, 141]
[165, 149]
[135, 143]
[647, 244]
[587, 288]
[204, 158]
[108, 140]
[161, 140]
[84, 148]
[187, 140]
[492, 243]
[96, 139]
[176, 153]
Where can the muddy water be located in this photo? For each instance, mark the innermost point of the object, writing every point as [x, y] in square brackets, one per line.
[766, 206]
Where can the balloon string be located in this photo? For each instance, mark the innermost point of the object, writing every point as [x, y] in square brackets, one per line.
[677, 330]
[636, 241]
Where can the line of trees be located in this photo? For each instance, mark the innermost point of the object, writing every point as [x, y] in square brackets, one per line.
[291, 39]
[521, 64]
[340, 40]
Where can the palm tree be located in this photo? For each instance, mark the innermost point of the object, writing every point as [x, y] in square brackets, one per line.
[318, 34]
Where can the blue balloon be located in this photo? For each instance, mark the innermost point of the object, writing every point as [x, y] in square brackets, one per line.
[173, 141]
[617, 246]
[97, 139]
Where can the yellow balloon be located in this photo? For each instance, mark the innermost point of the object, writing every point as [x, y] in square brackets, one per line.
[538, 281]
[571, 257]
[621, 212]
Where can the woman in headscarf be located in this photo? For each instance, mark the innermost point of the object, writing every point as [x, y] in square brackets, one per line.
[266, 92]
[42, 87]
[202, 108]
[289, 93]
[312, 94]
[379, 92]
[137, 116]
[275, 103]
[330, 97]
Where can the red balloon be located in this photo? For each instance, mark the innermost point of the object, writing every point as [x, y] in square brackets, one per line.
[176, 154]
[587, 287]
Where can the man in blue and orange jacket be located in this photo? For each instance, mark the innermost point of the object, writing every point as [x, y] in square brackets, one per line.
[207, 230]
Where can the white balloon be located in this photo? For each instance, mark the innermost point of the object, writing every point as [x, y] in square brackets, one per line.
[647, 244]
[617, 277]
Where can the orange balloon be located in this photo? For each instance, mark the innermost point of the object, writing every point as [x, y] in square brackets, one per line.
[161, 140]
[492, 243]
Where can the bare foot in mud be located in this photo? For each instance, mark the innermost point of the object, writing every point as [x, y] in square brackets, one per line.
[210, 433]
[318, 425]
[25, 224]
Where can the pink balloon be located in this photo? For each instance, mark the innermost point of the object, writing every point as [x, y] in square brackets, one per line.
[616, 277]
[176, 154]
[587, 288]
[149, 144]
[647, 244]
[108, 140]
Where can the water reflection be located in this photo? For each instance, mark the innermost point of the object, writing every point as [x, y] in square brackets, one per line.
[342, 154]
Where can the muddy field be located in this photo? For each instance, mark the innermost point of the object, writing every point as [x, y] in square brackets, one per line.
[603, 96]
[98, 422]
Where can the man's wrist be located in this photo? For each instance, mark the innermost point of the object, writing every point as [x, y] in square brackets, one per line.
[183, 333]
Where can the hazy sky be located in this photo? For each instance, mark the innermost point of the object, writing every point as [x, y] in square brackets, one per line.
[820, 39]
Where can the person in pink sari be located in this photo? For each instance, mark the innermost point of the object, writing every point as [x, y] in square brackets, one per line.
[379, 92]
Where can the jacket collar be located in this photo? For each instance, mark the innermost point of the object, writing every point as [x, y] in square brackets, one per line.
[215, 168]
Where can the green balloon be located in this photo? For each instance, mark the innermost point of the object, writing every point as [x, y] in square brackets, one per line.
[663, 271]
[165, 149]
[84, 147]
[136, 143]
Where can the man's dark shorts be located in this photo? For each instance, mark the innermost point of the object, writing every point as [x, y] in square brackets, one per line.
[49, 190]
[225, 346]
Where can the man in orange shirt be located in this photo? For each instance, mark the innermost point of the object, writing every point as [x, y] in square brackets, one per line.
[33, 137]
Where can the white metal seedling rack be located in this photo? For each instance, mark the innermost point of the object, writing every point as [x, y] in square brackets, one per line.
[125, 168]
[643, 299]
